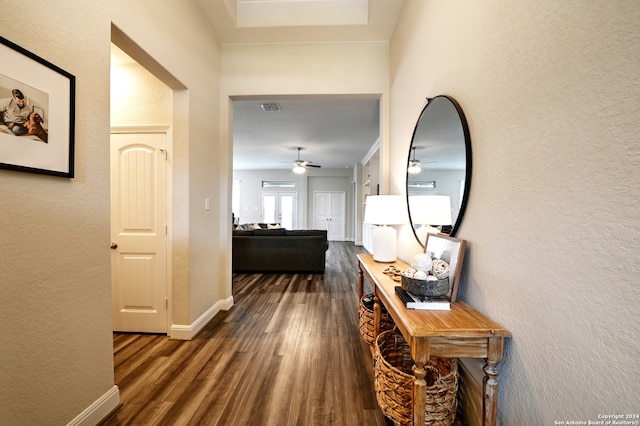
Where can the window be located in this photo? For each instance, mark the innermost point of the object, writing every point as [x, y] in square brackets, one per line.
[278, 184]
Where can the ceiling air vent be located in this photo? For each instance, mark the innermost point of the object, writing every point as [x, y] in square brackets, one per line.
[270, 107]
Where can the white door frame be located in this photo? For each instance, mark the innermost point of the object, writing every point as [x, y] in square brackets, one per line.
[169, 217]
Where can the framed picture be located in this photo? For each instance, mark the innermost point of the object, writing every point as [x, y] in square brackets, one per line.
[451, 251]
[37, 113]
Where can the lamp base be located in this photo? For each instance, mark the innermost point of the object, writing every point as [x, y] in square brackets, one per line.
[384, 244]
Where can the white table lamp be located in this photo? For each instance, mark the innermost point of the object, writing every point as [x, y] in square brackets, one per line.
[428, 210]
[385, 210]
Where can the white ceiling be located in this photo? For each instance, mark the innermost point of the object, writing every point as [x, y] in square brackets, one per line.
[277, 21]
[334, 133]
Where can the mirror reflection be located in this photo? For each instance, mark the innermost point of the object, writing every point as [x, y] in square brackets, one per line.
[438, 169]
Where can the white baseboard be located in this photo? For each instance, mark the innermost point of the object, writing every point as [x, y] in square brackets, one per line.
[188, 332]
[100, 409]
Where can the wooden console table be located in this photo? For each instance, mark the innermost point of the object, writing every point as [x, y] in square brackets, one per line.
[460, 332]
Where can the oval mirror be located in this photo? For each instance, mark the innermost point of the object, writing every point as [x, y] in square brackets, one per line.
[439, 168]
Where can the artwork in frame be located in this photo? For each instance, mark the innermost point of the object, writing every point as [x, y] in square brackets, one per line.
[37, 113]
[450, 251]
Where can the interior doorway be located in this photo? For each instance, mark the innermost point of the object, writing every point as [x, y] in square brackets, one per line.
[141, 192]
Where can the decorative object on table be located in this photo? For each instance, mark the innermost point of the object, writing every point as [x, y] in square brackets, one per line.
[393, 272]
[365, 319]
[435, 273]
[423, 285]
[385, 210]
[421, 280]
[37, 113]
[448, 255]
[423, 303]
[440, 269]
[394, 379]
[421, 262]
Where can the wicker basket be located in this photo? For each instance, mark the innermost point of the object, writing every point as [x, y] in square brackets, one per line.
[393, 379]
[365, 319]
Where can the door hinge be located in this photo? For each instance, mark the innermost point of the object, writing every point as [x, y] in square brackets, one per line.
[166, 303]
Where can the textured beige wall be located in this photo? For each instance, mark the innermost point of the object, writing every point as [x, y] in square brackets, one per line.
[550, 90]
[138, 98]
[56, 356]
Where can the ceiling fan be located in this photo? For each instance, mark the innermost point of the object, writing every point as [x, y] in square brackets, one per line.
[415, 166]
[299, 165]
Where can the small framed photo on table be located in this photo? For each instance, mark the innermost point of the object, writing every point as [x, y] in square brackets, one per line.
[447, 254]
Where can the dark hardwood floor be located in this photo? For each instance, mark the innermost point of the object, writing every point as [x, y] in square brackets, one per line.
[288, 353]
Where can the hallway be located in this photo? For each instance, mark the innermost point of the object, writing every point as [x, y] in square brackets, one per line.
[288, 353]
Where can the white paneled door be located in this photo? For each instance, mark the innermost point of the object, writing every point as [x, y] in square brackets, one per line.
[139, 231]
[329, 213]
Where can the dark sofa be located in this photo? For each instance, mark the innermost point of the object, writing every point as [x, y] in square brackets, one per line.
[279, 250]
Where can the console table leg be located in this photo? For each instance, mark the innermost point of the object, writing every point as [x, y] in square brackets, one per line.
[419, 393]
[377, 312]
[420, 355]
[360, 283]
[490, 403]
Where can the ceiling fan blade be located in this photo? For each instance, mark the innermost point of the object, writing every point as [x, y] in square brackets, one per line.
[303, 163]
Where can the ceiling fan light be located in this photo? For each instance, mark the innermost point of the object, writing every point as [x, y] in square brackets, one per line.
[298, 169]
[414, 167]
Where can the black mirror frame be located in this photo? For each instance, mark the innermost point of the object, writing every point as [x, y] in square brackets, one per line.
[468, 170]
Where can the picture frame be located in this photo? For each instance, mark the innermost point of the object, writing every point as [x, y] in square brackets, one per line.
[44, 143]
[450, 250]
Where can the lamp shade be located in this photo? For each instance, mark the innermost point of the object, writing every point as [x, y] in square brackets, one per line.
[430, 209]
[386, 210]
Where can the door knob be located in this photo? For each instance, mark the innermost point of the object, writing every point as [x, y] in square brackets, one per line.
[114, 246]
